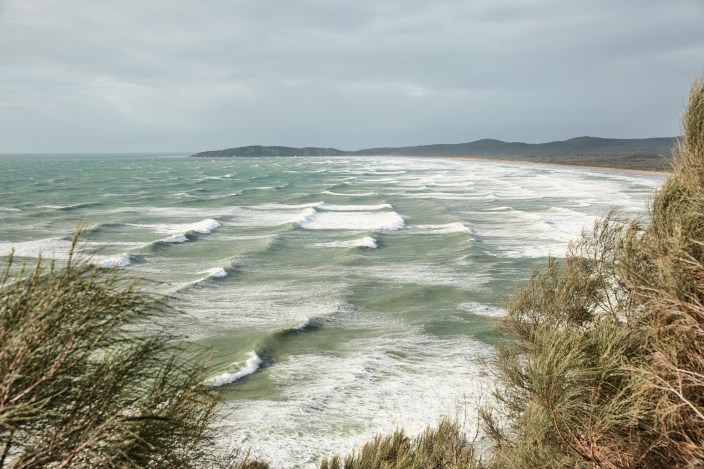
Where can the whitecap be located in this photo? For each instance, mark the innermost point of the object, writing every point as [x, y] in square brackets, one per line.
[367, 242]
[50, 247]
[275, 206]
[180, 230]
[353, 208]
[203, 227]
[307, 216]
[216, 272]
[445, 228]
[244, 369]
[353, 221]
[113, 262]
[177, 238]
[350, 194]
[483, 310]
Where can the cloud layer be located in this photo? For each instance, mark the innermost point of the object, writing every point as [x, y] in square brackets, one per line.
[157, 75]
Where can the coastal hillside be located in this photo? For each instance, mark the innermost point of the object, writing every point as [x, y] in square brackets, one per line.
[646, 153]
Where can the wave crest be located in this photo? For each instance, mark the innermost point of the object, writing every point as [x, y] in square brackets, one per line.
[244, 369]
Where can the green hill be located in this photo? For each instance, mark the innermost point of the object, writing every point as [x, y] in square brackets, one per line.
[646, 153]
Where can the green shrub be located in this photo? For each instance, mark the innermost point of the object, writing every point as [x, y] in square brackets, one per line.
[443, 447]
[607, 365]
[87, 381]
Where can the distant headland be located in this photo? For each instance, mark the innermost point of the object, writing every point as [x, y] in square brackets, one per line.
[654, 154]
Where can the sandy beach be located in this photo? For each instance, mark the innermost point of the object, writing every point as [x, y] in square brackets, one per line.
[560, 165]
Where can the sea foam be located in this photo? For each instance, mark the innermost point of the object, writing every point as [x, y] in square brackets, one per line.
[217, 272]
[203, 227]
[177, 238]
[244, 369]
[350, 194]
[483, 310]
[180, 230]
[114, 262]
[353, 221]
[50, 247]
[445, 229]
[367, 242]
[353, 208]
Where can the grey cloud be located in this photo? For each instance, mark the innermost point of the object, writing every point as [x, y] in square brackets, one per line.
[135, 75]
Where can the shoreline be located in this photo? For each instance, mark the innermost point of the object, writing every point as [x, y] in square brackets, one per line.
[608, 169]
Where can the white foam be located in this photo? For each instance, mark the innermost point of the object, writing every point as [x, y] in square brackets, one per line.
[216, 272]
[445, 229]
[372, 180]
[244, 369]
[420, 273]
[113, 262]
[9, 209]
[274, 206]
[366, 242]
[177, 238]
[353, 221]
[353, 208]
[270, 215]
[373, 385]
[483, 310]
[350, 194]
[203, 227]
[179, 230]
[57, 248]
[307, 216]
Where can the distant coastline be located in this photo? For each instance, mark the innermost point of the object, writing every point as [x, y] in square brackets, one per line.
[647, 154]
[575, 165]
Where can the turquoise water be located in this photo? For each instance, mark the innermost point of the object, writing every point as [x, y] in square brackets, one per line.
[341, 296]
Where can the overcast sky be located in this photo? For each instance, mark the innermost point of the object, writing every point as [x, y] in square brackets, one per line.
[191, 75]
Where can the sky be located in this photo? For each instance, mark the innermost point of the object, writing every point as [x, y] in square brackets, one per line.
[193, 75]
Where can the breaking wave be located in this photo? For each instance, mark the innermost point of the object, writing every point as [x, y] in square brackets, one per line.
[352, 208]
[114, 262]
[355, 220]
[246, 368]
[446, 228]
[367, 242]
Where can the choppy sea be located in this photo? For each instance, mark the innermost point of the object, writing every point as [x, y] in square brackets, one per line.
[341, 296]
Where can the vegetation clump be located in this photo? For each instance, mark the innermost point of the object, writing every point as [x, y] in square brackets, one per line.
[443, 447]
[82, 384]
[607, 366]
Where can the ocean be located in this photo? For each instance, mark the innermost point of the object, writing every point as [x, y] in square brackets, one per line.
[341, 296]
